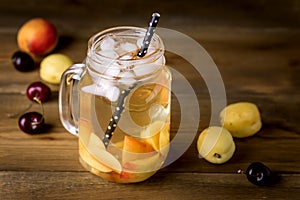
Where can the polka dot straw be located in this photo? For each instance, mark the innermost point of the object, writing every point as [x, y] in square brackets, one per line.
[120, 105]
[149, 34]
[116, 116]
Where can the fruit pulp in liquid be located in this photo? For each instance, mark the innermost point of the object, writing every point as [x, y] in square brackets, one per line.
[140, 141]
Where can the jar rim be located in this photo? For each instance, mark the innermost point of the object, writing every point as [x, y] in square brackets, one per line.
[121, 29]
[95, 56]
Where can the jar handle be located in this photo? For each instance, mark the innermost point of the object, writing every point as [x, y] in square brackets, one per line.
[68, 98]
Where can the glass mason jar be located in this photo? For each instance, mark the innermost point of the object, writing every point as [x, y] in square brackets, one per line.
[118, 105]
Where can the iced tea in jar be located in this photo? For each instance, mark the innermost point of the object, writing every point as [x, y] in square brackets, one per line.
[118, 104]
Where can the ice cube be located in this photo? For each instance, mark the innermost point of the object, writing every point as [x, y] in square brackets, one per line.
[142, 70]
[97, 67]
[107, 43]
[104, 83]
[103, 88]
[128, 47]
[158, 113]
[112, 71]
[112, 93]
[109, 54]
[94, 89]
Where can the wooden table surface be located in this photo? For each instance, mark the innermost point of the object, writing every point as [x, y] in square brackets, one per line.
[256, 46]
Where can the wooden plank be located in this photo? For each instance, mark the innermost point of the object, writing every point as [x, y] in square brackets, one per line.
[70, 185]
[245, 13]
[255, 45]
[276, 145]
[260, 53]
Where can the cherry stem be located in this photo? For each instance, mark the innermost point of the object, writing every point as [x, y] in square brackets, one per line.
[36, 99]
[240, 171]
[13, 115]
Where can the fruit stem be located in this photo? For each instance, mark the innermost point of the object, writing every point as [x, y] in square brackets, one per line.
[36, 99]
[217, 155]
[13, 115]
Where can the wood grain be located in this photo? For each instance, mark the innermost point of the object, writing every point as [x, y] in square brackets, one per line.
[70, 185]
[255, 45]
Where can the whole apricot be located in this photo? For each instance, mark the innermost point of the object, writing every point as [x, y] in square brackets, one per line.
[37, 37]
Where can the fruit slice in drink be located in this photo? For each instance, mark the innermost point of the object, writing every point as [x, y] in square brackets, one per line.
[157, 135]
[134, 149]
[149, 163]
[140, 100]
[139, 160]
[85, 130]
[97, 156]
[152, 134]
[90, 160]
[164, 139]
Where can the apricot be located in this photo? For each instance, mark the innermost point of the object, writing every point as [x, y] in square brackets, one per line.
[37, 37]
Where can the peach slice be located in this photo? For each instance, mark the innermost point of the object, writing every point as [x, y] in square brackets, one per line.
[164, 139]
[144, 165]
[95, 142]
[91, 161]
[84, 131]
[134, 149]
[152, 134]
[97, 149]
[157, 135]
[165, 96]
[119, 144]
[96, 155]
[107, 159]
[136, 146]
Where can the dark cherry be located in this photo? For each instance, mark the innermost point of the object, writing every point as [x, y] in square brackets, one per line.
[22, 61]
[259, 174]
[38, 91]
[32, 123]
